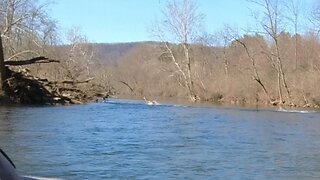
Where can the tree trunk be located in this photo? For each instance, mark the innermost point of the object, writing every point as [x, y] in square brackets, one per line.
[279, 86]
[280, 69]
[2, 68]
[192, 94]
[296, 49]
[179, 68]
[255, 73]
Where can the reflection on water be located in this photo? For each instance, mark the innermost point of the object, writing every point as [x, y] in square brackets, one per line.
[130, 140]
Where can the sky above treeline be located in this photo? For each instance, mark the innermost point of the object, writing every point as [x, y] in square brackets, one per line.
[113, 21]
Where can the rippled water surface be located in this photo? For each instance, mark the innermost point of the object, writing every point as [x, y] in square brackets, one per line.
[123, 139]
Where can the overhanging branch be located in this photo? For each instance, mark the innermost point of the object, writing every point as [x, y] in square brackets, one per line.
[40, 59]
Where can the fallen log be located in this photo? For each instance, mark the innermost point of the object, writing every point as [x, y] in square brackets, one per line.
[71, 81]
[76, 82]
[69, 89]
[40, 59]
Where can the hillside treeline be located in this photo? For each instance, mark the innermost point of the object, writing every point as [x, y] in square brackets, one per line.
[274, 63]
[226, 74]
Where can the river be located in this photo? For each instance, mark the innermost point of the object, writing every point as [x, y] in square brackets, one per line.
[126, 139]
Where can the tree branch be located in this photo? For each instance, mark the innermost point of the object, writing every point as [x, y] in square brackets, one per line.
[40, 59]
[72, 82]
[131, 89]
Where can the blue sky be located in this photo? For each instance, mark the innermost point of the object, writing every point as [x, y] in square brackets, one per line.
[128, 20]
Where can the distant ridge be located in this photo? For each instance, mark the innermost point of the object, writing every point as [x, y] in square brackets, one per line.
[113, 51]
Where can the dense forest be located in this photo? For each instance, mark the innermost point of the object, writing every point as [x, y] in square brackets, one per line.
[275, 63]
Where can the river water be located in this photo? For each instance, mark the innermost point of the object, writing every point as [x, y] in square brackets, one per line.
[123, 139]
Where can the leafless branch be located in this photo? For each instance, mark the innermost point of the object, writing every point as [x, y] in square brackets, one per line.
[40, 59]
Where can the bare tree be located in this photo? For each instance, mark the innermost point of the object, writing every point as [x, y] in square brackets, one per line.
[294, 7]
[2, 68]
[181, 24]
[315, 16]
[270, 23]
[255, 73]
[77, 59]
[24, 23]
[224, 37]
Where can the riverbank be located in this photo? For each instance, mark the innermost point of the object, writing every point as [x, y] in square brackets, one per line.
[24, 89]
[92, 95]
[231, 103]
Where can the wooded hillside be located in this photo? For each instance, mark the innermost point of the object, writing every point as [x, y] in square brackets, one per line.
[231, 74]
